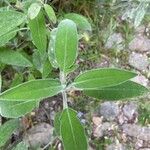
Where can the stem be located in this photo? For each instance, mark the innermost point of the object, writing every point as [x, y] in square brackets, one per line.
[64, 94]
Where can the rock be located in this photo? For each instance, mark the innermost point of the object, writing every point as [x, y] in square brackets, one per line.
[109, 110]
[139, 61]
[116, 147]
[141, 80]
[39, 135]
[133, 130]
[115, 41]
[97, 120]
[100, 130]
[139, 144]
[130, 110]
[140, 43]
[140, 30]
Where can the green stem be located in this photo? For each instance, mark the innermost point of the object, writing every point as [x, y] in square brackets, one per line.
[64, 94]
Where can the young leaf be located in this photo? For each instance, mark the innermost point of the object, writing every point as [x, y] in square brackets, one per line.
[15, 109]
[6, 37]
[34, 10]
[66, 44]
[50, 13]
[32, 90]
[81, 21]
[38, 30]
[11, 57]
[21, 146]
[10, 20]
[0, 82]
[72, 132]
[51, 48]
[100, 78]
[127, 89]
[57, 123]
[47, 68]
[7, 129]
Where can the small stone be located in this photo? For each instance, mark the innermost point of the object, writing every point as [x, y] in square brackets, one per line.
[97, 121]
[116, 147]
[115, 41]
[139, 144]
[133, 130]
[39, 135]
[139, 61]
[130, 111]
[101, 129]
[140, 43]
[109, 110]
[141, 80]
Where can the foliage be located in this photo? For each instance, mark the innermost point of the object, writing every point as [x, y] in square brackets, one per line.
[60, 47]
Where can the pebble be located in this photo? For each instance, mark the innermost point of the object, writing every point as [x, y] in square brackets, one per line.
[109, 110]
[39, 135]
[139, 61]
[115, 41]
[140, 44]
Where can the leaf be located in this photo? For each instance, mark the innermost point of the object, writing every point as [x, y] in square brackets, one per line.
[17, 79]
[50, 13]
[81, 21]
[100, 78]
[10, 20]
[34, 10]
[72, 132]
[0, 82]
[21, 146]
[47, 68]
[66, 44]
[140, 13]
[32, 90]
[11, 57]
[7, 129]
[57, 123]
[38, 31]
[51, 48]
[15, 109]
[6, 37]
[37, 62]
[127, 89]
[44, 66]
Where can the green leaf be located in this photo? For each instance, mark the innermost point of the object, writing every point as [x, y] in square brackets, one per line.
[6, 37]
[32, 90]
[127, 89]
[72, 132]
[51, 48]
[15, 109]
[57, 123]
[47, 68]
[10, 20]
[21, 146]
[34, 10]
[81, 21]
[0, 82]
[38, 31]
[66, 44]
[11, 57]
[100, 78]
[7, 129]
[50, 13]
[18, 79]
[140, 12]
[44, 66]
